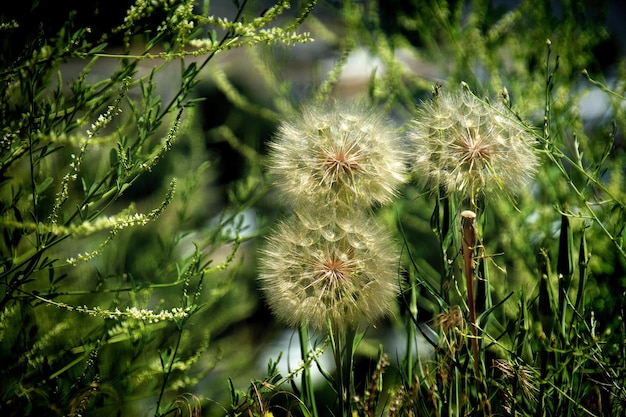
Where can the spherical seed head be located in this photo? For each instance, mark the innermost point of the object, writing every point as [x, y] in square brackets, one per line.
[350, 279]
[336, 153]
[468, 146]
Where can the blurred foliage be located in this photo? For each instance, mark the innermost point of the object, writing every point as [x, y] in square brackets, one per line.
[125, 262]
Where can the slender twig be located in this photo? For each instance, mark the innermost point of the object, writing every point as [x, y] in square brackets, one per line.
[168, 372]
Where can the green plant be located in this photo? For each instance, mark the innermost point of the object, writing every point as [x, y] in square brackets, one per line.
[514, 335]
[133, 189]
[108, 258]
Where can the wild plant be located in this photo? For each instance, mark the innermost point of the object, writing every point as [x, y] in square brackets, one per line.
[444, 219]
[497, 224]
[108, 257]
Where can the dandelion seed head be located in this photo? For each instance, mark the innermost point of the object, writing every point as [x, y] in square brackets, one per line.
[465, 145]
[336, 154]
[307, 278]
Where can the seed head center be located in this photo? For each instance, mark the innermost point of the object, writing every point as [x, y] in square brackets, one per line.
[341, 163]
[333, 270]
[474, 150]
[331, 275]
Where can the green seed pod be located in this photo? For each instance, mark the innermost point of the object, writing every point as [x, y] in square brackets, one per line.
[545, 309]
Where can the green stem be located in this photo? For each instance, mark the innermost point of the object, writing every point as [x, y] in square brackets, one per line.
[342, 341]
[307, 387]
[168, 372]
[411, 328]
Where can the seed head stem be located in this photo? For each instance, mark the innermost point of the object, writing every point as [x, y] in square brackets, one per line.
[468, 226]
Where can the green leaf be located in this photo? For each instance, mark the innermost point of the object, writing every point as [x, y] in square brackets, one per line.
[44, 185]
[97, 49]
[113, 160]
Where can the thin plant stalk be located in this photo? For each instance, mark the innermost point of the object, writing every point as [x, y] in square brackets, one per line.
[468, 224]
[565, 269]
[307, 386]
[445, 223]
[410, 341]
[342, 341]
[167, 369]
[583, 264]
[547, 317]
